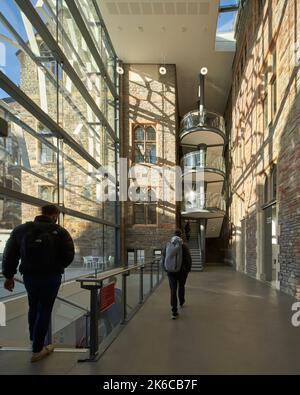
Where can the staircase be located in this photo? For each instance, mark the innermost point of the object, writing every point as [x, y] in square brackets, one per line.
[196, 262]
[193, 244]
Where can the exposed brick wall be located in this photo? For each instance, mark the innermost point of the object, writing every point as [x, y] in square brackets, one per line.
[150, 98]
[251, 241]
[255, 149]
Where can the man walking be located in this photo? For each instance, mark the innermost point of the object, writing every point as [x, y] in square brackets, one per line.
[187, 230]
[45, 250]
[177, 262]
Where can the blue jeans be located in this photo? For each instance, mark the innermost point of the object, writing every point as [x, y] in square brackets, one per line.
[42, 292]
[177, 281]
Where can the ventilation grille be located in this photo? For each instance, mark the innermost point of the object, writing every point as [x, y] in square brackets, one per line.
[157, 8]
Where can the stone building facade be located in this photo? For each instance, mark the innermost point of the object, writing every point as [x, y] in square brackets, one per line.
[265, 144]
[149, 101]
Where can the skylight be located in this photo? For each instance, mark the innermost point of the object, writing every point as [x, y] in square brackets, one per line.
[225, 40]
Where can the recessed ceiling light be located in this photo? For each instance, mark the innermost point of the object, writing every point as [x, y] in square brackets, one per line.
[162, 70]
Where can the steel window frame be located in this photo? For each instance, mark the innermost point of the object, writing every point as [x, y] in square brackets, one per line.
[25, 101]
[36, 21]
[33, 201]
[81, 22]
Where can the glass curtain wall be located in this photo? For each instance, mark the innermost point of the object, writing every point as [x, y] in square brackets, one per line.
[59, 95]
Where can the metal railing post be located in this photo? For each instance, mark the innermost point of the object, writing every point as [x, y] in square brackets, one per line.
[151, 276]
[124, 288]
[94, 338]
[156, 262]
[93, 286]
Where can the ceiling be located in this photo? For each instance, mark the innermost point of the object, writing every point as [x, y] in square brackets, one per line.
[173, 32]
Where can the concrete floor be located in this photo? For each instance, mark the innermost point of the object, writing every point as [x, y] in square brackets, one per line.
[230, 324]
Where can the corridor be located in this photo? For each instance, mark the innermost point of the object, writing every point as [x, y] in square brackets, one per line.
[231, 324]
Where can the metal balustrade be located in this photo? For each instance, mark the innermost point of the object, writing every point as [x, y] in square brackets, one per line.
[209, 120]
[195, 201]
[192, 161]
[79, 324]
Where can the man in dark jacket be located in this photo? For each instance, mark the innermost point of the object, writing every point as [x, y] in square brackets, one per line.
[177, 280]
[45, 250]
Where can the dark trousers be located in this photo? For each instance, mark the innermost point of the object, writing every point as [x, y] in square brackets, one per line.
[177, 282]
[42, 292]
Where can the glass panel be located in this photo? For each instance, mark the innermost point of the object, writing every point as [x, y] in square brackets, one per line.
[12, 214]
[227, 3]
[155, 268]
[16, 331]
[110, 248]
[111, 315]
[147, 280]
[20, 166]
[133, 291]
[70, 326]
[91, 17]
[89, 247]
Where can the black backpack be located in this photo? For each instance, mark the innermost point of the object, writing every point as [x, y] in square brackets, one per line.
[39, 247]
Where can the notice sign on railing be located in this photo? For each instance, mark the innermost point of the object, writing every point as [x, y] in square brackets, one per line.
[107, 297]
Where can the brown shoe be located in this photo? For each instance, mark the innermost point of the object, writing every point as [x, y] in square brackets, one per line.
[37, 356]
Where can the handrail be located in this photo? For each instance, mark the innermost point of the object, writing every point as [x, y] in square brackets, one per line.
[109, 273]
[205, 112]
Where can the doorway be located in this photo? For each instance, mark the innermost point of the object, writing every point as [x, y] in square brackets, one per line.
[270, 246]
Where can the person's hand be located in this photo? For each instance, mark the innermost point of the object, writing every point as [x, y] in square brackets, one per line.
[9, 284]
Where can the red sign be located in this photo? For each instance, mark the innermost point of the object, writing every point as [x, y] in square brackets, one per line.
[107, 297]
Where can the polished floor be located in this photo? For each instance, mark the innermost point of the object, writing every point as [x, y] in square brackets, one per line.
[230, 324]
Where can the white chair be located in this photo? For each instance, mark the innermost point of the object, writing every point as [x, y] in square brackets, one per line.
[87, 262]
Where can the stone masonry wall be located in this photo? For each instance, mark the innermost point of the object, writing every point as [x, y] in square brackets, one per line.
[150, 98]
[263, 136]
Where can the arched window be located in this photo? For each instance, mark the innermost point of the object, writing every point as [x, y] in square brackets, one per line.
[48, 193]
[46, 153]
[144, 144]
[145, 208]
[45, 193]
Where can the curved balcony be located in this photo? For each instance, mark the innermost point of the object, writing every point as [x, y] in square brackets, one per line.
[209, 205]
[214, 167]
[208, 129]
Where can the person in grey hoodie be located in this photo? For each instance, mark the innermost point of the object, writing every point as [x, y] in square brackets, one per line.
[177, 280]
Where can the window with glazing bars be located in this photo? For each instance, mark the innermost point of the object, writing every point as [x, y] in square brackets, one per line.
[144, 137]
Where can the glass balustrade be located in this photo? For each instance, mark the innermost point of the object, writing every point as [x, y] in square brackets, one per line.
[120, 294]
[194, 120]
[193, 160]
[194, 201]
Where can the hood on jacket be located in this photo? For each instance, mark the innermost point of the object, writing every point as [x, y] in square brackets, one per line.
[176, 239]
